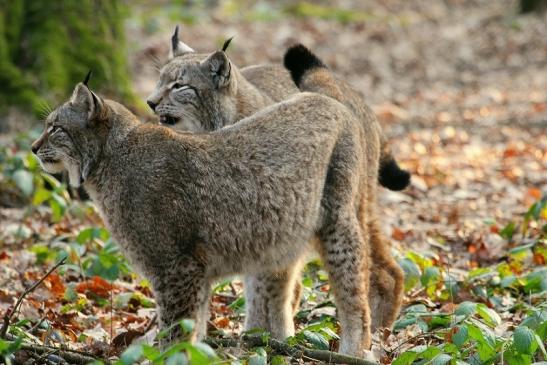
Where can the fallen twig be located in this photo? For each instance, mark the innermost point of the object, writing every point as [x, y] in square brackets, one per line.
[9, 314]
[420, 335]
[296, 351]
[70, 356]
[151, 323]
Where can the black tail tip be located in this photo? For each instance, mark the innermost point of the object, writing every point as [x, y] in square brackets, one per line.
[298, 59]
[393, 177]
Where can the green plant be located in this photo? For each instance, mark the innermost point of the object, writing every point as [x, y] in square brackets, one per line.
[182, 352]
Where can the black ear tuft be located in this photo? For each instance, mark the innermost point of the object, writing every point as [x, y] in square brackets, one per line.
[226, 44]
[175, 38]
[392, 176]
[88, 76]
[298, 59]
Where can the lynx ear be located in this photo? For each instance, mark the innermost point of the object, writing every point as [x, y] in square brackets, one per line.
[178, 48]
[218, 66]
[85, 99]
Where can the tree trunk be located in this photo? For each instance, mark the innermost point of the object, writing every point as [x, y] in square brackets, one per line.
[529, 6]
[46, 47]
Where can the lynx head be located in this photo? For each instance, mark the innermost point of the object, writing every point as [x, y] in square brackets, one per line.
[195, 92]
[74, 135]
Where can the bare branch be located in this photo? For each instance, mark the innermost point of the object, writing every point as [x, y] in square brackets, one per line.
[70, 356]
[9, 314]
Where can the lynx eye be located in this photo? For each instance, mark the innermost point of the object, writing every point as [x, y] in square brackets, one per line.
[179, 86]
[52, 129]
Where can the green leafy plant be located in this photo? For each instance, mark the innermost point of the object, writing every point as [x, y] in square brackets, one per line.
[467, 335]
[182, 352]
[20, 170]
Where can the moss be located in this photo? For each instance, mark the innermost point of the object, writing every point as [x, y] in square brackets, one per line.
[16, 89]
[47, 47]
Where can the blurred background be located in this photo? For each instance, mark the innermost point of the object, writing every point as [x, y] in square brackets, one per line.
[460, 87]
[394, 51]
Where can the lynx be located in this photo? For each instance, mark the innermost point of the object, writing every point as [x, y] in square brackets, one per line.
[247, 199]
[205, 92]
[199, 92]
[387, 279]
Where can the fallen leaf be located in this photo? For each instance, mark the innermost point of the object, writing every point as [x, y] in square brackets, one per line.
[398, 234]
[55, 285]
[124, 339]
[539, 259]
[97, 286]
[222, 322]
[535, 193]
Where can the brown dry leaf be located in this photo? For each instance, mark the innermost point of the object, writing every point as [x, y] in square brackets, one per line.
[534, 193]
[96, 285]
[454, 216]
[222, 322]
[124, 339]
[398, 234]
[448, 307]
[539, 259]
[131, 318]
[540, 107]
[55, 285]
[449, 334]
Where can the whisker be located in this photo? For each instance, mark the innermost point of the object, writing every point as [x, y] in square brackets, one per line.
[44, 110]
[156, 62]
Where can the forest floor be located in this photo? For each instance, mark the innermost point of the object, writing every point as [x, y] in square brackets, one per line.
[461, 90]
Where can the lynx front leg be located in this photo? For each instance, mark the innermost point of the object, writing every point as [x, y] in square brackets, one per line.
[182, 292]
[270, 301]
[386, 282]
[344, 251]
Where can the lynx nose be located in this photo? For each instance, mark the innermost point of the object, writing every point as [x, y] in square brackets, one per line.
[35, 147]
[152, 105]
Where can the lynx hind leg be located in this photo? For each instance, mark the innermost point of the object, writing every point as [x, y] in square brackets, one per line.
[386, 283]
[297, 295]
[182, 292]
[270, 301]
[344, 252]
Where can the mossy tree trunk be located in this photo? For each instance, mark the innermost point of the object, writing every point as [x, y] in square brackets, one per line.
[46, 47]
[529, 6]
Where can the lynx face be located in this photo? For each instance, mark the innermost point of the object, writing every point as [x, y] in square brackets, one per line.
[53, 148]
[195, 92]
[70, 142]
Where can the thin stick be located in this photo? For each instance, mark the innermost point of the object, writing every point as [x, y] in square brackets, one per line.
[420, 335]
[73, 357]
[111, 313]
[35, 327]
[151, 323]
[10, 314]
